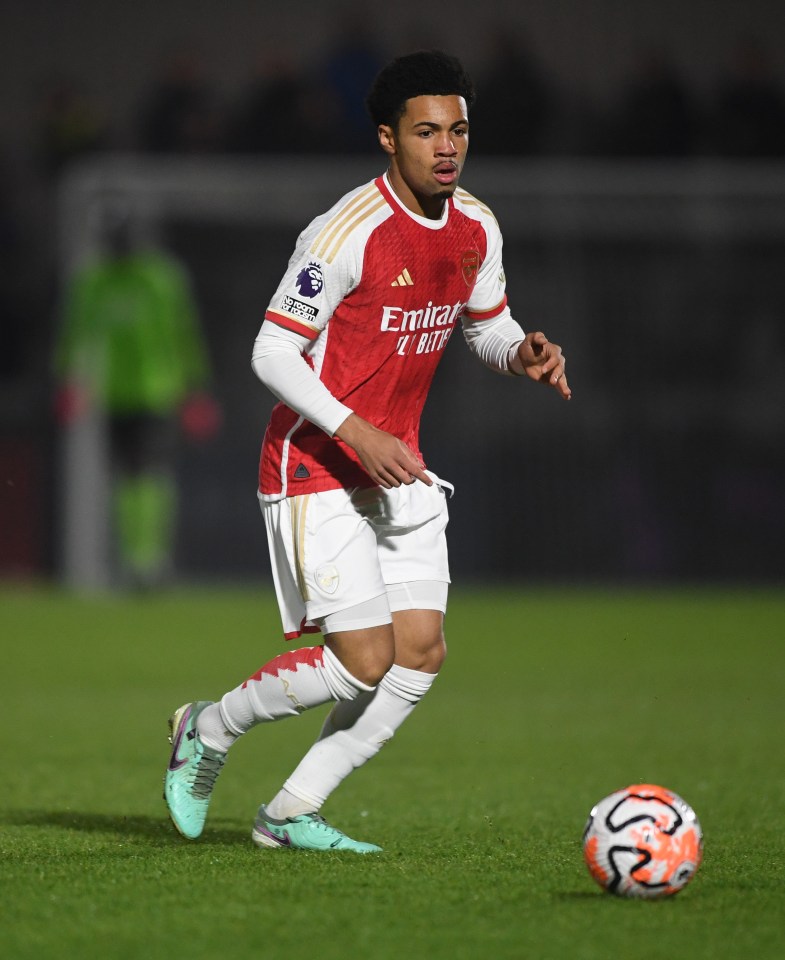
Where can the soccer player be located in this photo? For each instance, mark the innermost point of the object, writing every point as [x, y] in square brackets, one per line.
[355, 521]
[131, 345]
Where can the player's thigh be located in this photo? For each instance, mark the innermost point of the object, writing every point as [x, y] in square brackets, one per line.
[416, 552]
[320, 543]
[415, 567]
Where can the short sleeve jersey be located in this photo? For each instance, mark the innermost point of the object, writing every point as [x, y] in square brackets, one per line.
[378, 292]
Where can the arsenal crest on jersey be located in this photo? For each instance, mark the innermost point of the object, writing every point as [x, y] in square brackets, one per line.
[470, 264]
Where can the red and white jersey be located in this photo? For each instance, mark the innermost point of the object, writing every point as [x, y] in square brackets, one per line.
[378, 291]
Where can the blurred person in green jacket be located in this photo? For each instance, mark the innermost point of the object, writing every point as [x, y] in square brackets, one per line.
[131, 343]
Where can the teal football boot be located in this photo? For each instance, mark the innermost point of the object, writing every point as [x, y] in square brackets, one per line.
[192, 771]
[306, 832]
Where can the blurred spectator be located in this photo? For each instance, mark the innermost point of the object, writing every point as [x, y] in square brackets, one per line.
[70, 124]
[280, 112]
[749, 115]
[130, 342]
[656, 116]
[349, 69]
[180, 113]
[514, 99]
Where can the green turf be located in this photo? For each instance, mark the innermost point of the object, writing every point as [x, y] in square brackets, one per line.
[549, 700]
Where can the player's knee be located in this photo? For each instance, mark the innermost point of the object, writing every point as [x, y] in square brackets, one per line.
[419, 639]
[365, 654]
[423, 650]
[372, 664]
[438, 655]
[373, 673]
[430, 657]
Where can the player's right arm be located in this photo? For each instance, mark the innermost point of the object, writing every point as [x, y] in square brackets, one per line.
[386, 459]
[279, 363]
[297, 316]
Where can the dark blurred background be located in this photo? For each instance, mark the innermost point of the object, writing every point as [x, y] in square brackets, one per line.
[634, 156]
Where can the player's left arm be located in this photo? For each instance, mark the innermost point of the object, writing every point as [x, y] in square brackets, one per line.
[502, 345]
[542, 360]
[496, 338]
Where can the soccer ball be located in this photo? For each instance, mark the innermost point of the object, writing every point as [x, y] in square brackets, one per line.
[643, 841]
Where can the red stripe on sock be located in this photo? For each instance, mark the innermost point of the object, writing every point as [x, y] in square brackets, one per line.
[293, 660]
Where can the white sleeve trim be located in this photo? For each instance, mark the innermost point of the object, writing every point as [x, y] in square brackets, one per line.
[278, 362]
[496, 342]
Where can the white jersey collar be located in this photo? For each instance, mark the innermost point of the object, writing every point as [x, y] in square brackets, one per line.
[424, 221]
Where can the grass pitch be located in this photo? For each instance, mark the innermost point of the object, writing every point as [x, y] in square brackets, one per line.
[549, 700]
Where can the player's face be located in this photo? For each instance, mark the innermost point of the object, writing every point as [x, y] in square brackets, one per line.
[427, 151]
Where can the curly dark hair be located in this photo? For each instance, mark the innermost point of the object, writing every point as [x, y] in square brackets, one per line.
[427, 72]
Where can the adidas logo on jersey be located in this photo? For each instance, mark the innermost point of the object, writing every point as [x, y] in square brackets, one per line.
[404, 279]
[301, 473]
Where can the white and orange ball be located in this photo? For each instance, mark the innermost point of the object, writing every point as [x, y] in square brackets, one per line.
[643, 841]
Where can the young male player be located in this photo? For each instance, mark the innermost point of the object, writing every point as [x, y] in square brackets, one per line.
[355, 522]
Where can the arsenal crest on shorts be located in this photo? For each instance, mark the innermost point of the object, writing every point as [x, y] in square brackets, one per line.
[470, 264]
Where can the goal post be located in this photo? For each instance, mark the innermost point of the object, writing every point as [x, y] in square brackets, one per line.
[548, 202]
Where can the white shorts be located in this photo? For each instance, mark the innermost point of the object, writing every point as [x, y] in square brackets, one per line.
[339, 549]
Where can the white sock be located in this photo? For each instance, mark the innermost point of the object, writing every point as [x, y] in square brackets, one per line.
[286, 686]
[285, 804]
[212, 729]
[353, 733]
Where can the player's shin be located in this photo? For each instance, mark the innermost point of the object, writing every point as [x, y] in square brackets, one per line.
[353, 733]
[286, 686]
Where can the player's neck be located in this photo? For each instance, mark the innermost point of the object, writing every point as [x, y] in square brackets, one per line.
[430, 207]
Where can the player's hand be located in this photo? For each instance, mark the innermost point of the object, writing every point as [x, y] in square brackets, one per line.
[388, 461]
[543, 361]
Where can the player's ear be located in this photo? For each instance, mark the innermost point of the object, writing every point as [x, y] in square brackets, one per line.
[386, 138]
